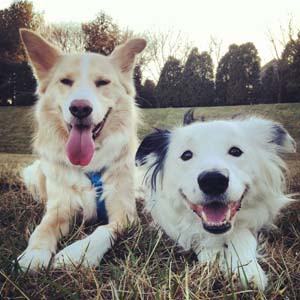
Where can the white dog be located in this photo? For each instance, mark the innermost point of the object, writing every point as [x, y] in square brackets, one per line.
[212, 185]
[86, 139]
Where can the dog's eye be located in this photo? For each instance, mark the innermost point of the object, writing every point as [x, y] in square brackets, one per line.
[235, 151]
[186, 155]
[101, 82]
[67, 81]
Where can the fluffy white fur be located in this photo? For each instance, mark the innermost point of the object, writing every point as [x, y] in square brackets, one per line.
[258, 171]
[63, 186]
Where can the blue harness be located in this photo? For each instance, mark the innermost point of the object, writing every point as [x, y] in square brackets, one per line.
[96, 180]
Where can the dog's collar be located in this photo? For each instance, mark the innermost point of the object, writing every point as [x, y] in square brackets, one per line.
[96, 180]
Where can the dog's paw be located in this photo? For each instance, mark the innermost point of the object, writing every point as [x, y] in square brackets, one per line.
[78, 253]
[87, 252]
[207, 255]
[34, 259]
[252, 275]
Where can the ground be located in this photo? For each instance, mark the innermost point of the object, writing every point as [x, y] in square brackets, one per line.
[144, 264]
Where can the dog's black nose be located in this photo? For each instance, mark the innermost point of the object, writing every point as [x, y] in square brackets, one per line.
[81, 108]
[213, 182]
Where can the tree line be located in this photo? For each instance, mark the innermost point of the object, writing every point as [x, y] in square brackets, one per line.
[184, 76]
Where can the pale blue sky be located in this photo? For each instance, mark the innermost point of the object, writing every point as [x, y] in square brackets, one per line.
[233, 21]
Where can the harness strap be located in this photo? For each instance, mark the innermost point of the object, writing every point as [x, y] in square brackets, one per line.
[96, 180]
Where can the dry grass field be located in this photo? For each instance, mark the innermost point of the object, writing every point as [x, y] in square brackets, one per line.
[144, 263]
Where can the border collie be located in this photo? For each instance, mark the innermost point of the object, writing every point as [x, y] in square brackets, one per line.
[213, 185]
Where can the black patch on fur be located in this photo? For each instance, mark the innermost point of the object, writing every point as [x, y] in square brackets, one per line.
[278, 134]
[156, 143]
[188, 117]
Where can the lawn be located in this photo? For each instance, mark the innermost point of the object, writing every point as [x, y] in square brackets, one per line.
[16, 122]
[144, 264]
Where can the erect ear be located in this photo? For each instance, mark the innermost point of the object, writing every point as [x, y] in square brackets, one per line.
[188, 117]
[42, 55]
[152, 153]
[124, 55]
[272, 133]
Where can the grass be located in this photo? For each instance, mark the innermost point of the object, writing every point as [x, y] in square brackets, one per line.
[16, 127]
[16, 122]
[144, 263]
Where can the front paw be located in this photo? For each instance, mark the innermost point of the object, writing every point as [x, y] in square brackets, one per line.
[207, 255]
[74, 255]
[79, 253]
[87, 252]
[252, 274]
[34, 259]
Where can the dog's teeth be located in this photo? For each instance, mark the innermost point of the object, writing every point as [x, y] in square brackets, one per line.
[216, 224]
[228, 215]
[203, 215]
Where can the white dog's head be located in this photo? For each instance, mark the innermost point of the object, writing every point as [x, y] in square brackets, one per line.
[216, 168]
[78, 92]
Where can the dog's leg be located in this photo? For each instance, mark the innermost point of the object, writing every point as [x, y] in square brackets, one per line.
[120, 206]
[88, 251]
[240, 257]
[35, 181]
[55, 223]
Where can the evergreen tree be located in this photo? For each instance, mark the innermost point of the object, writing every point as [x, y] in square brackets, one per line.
[167, 91]
[146, 97]
[270, 84]
[238, 75]
[290, 68]
[207, 90]
[17, 84]
[190, 79]
[198, 80]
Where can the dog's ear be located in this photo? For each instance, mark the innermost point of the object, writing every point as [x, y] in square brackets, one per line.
[124, 55]
[272, 133]
[154, 144]
[42, 55]
[285, 143]
[188, 117]
[152, 153]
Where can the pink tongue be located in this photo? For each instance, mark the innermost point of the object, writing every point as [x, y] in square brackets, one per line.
[80, 146]
[215, 212]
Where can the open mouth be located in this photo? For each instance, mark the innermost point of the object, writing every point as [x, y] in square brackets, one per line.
[98, 128]
[216, 216]
[80, 146]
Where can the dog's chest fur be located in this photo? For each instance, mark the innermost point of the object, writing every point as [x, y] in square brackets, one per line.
[78, 189]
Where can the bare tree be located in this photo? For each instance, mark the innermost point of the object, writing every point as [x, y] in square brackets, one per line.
[215, 49]
[66, 36]
[162, 45]
[287, 34]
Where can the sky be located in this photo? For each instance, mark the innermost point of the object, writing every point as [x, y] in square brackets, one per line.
[232, 21]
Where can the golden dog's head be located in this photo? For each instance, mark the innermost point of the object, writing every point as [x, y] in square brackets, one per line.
[79, 92]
